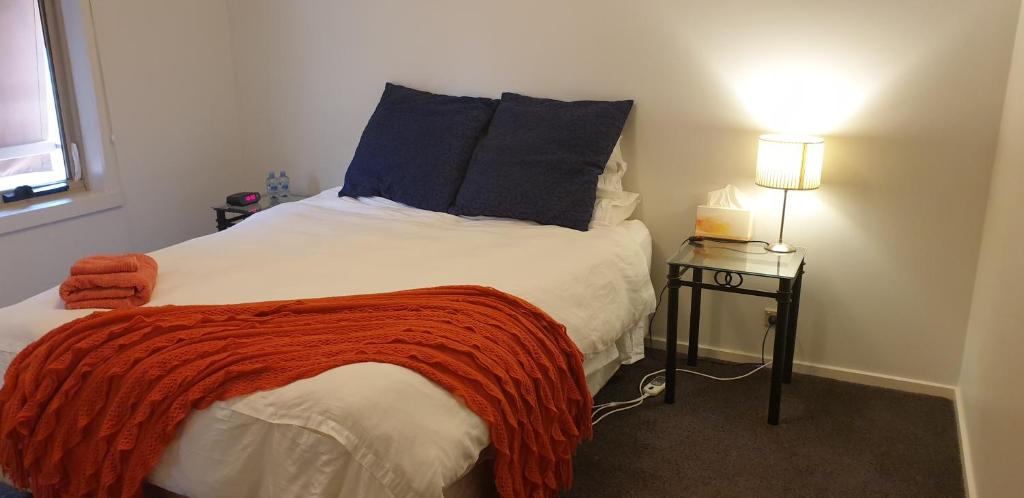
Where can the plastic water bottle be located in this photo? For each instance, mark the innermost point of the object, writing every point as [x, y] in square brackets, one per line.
[282, 185]
[272, 185]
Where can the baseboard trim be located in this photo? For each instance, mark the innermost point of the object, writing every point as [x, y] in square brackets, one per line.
[830, 372]
[965, 445]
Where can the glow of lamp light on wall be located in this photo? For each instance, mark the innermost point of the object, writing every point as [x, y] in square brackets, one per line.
[798, 100]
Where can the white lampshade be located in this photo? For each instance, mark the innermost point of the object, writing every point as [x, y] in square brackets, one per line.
[790, 162]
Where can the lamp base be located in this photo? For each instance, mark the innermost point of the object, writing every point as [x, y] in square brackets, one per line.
[781, 247]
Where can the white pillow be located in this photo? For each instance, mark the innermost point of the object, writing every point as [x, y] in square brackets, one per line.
[614, 169]
[612, 208]
[613, 205]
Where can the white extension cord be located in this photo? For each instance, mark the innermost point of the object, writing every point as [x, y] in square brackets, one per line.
[656, 386]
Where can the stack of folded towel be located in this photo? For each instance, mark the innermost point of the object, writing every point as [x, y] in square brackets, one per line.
[120, 281]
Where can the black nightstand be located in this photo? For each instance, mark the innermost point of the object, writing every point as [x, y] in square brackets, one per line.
[730, 262]
[242, 212]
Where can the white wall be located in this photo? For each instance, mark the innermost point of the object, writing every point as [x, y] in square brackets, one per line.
[169, 85]
[991, 397]
[907, 93]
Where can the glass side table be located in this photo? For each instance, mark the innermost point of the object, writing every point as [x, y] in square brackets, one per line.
[729, 263]
[242, 212]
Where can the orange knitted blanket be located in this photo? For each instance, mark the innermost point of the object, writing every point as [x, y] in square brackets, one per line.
[88, 409]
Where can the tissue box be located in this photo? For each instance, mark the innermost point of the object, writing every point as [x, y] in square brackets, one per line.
[724, 223]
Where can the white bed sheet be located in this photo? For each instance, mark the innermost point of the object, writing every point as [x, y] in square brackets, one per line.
[370, 429]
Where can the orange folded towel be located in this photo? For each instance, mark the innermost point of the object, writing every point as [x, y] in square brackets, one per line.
[101, 264]
[120, 281]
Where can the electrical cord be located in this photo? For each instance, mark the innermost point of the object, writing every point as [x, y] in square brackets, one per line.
[650, 323]
[634, 405]
[620, 406]
[699, 241]
[764, 340]
[724, 379]
[642, 397]
[741, 251]
[697, 238]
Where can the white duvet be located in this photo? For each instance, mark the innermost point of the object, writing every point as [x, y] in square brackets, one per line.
[367, 429]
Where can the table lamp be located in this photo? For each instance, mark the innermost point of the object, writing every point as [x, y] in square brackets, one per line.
[789, 162]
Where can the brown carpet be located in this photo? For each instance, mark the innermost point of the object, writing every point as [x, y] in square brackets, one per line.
[835, 439]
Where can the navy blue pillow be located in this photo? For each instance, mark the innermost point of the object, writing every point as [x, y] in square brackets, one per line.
[416, 147]
[540, 160]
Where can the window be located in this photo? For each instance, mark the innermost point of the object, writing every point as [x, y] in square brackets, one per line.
[37, 126]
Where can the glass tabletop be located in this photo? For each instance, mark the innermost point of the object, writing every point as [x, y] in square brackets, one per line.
[264, 203]
[748, 258]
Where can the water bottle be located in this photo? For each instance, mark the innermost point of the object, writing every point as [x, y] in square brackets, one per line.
[271, 185]
[282, 185]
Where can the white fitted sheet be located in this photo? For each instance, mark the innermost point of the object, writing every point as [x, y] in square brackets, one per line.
[371, 429]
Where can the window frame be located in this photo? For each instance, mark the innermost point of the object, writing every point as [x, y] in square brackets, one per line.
[65, 106]
[100, 188]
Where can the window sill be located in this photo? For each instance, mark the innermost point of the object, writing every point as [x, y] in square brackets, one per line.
[44, 210]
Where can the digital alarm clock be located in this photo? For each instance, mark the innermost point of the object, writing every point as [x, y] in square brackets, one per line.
[244, 198]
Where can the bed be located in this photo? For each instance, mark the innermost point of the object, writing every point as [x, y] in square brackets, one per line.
[372, 429]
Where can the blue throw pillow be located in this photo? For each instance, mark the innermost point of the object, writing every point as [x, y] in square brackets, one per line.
[540, 160]
[416, 147]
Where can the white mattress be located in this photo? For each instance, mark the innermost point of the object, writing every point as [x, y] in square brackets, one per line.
[371, 429]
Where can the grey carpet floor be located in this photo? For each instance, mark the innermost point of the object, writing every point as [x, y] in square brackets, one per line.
[835, 439]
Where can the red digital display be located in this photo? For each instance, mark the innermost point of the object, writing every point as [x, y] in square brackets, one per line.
[250, 198]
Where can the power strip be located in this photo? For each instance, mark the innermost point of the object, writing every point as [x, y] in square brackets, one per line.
[655, 386]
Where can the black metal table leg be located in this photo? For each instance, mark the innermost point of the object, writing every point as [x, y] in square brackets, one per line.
[671, 334]
[222, 221]
[779, 350]
[691, 350]
[794, 315]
